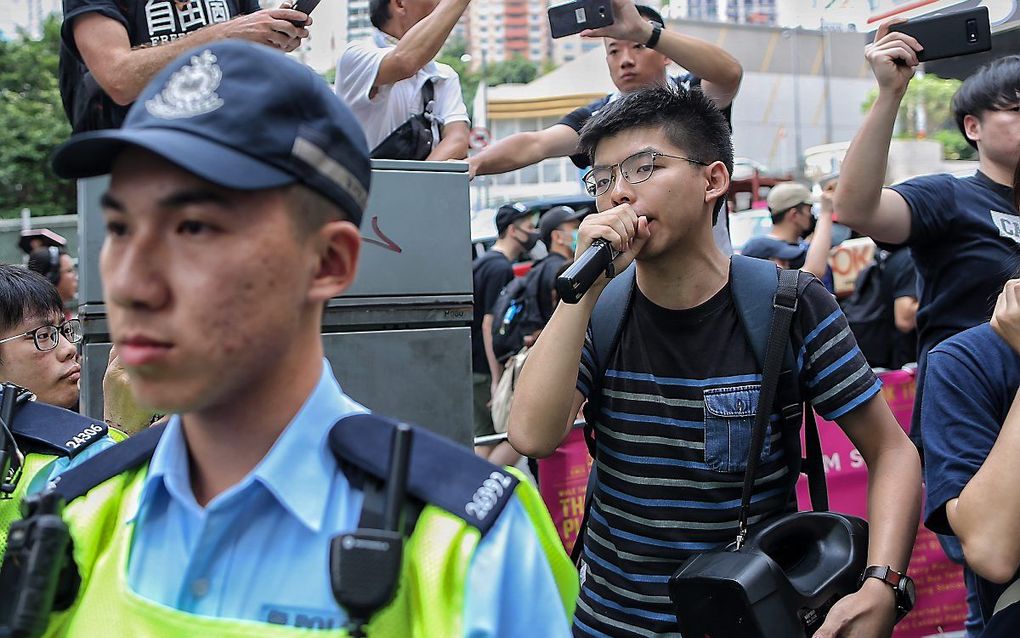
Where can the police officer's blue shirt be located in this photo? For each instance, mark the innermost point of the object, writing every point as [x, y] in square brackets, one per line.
[61, 464]
[259, 551]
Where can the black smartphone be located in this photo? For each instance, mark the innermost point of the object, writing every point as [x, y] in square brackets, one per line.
[950, 34]
[577, 15]
[305, 7]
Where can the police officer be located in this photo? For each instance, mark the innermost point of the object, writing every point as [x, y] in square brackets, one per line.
[237, 185]
[38, 360]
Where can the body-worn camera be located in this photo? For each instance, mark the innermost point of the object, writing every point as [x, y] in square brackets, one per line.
[30, 578]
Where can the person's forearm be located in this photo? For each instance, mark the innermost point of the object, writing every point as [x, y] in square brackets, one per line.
[862, 173]
[707, 61]
[509, 154]
[894, 505]
[816, 261]
[423, 41]
[490, 356]
[986, 516]
[545, 390]
[453, 146]
[135, 68]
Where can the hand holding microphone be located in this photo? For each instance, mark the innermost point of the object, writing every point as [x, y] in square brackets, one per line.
[606, 243]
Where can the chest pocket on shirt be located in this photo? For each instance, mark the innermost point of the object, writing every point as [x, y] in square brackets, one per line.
[729, 420]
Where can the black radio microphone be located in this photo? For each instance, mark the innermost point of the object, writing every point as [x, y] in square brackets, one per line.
[576, 280]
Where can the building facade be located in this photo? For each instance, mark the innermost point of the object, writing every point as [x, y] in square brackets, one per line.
[499, 30]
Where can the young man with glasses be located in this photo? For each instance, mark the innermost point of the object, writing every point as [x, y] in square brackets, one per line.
[37, 346]
[38, 353]
[683, 376]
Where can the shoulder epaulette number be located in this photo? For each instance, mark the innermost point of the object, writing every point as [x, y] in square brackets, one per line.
[441, 473]
[47, 429]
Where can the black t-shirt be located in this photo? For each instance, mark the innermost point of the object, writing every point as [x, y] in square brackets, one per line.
[672, 438]
[577, 118]
[148, 22]
[490, 273]
[550, 265]
[900, 279]
[964, 238]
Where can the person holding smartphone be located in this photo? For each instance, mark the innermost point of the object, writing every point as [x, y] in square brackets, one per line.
[639, 50]
[110, 49]
[962, 232]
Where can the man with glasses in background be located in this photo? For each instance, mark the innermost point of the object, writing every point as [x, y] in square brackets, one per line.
[38, 353]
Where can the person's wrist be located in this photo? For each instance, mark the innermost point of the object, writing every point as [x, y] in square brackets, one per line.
[642, 33]
[878, 591]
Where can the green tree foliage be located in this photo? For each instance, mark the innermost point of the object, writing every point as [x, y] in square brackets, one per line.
[932, 95]
[517, 70]
[32, 124]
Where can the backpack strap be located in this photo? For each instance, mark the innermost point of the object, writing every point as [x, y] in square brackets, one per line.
[441, 472]
[606, 326]
[428, 97]
[756, 283]
[128, 454]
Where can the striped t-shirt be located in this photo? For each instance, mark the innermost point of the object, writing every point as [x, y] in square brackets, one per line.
[678, 403]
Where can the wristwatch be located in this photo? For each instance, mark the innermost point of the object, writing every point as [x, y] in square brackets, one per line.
[902, 585]
[654, 38]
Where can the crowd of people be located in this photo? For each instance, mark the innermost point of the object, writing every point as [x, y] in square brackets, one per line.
[235, 489]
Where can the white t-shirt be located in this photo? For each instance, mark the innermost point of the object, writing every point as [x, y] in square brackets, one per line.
[394, 103]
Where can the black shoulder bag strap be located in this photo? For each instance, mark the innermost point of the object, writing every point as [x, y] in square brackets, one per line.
[783, 308]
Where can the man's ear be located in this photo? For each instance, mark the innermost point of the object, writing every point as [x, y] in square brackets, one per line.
[972, 127]
[718, 182]
[337, 245]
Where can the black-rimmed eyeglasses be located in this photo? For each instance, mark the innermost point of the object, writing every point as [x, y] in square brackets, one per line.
[635, 169]
[47, 337]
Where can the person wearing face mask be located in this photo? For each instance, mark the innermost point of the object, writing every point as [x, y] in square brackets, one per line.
[515, 224]
[790, 205]
[558, 228]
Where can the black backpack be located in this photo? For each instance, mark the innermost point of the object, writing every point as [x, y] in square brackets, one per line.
[869, 312]
[516, 313]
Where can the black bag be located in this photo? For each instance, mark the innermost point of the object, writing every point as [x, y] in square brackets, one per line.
[869, 312]
[516, 313]
[412, 140]
[781, 578]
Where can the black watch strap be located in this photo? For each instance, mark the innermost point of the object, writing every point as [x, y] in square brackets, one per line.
[654, 38]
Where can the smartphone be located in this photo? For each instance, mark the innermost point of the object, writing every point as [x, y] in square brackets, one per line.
[575, 16]
[305, 7]
[951, 34]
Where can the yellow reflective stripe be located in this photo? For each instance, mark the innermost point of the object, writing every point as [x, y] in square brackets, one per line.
[563, 570]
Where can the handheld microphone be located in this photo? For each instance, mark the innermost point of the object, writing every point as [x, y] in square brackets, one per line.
[576, 280]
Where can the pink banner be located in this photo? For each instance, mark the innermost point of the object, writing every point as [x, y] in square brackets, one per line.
[941, 595]
[562, 483]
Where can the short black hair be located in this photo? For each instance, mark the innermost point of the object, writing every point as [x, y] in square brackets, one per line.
[650, 14]
[25, 294]
[379, 13]
[690, 119]
[996, 85]
[39, 260]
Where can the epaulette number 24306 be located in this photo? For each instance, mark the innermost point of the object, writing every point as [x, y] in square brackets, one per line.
[487, 495]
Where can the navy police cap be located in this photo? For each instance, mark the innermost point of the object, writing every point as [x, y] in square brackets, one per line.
[242, 116]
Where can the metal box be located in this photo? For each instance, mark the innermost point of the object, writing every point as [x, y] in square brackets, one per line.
[399, 339]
